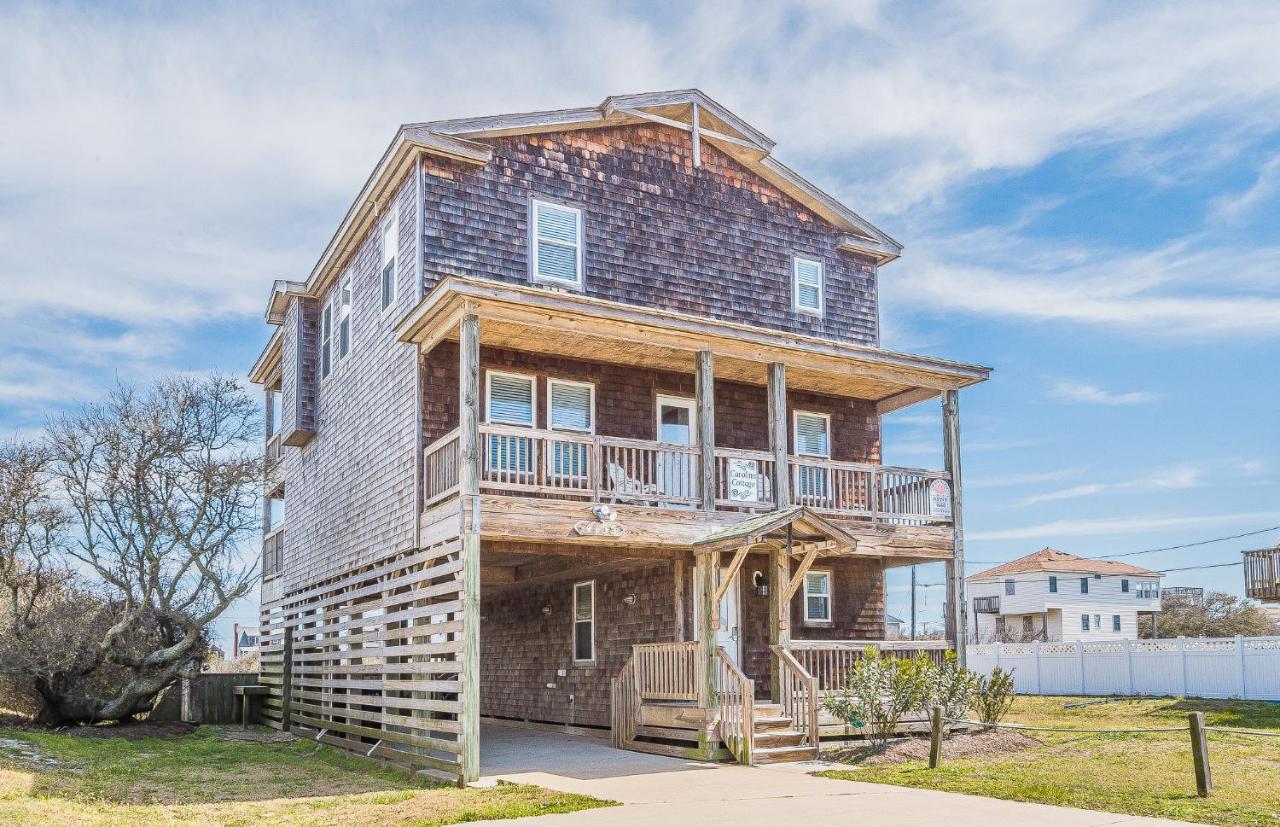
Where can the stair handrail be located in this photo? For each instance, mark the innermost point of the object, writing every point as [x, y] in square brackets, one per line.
[624, 706]
[737, 701]
[798, 694]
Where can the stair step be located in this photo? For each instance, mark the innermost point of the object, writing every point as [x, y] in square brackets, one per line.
[768, 709]
[667, 733]
[778, 738]
[773, 755]
[770, 723]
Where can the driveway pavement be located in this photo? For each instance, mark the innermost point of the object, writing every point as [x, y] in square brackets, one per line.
[668, 791]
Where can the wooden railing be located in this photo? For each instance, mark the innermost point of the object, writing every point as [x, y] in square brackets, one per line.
[1262, 574]
[272, 552]
[798, 693]
[737, 701]
[666, 671]
[986, 605]
[744, 479]
[568, 465]
[829, 661]
[624, 707]
[440, 469]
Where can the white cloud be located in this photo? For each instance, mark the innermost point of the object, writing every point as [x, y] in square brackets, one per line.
[1230, 208]
[1170, 479]
[1083, 392]
[1005, 480]
[1049, 532]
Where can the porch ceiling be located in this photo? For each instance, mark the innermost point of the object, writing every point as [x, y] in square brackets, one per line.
[580, 327]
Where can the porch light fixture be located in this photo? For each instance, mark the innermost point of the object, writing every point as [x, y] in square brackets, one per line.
[761, 582]
[630, 600]
[546, 611]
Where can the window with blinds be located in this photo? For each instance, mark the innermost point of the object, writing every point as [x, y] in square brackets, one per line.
[570, 407]
[557, 243]
[807, 286]
[584, 621]
[811, 435]
[390, 247]
[509, 401]
[817, 596]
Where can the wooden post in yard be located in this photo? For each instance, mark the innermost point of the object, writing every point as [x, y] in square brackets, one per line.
[957, 612]
[469, 497]
[935, 738]
[778, 434]
[286, 679]
[705, 392]
[1200, 755]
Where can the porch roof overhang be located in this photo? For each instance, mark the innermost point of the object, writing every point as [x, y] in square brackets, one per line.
[564, 323]
[795, 528]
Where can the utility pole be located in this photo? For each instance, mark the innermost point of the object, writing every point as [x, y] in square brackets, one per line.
[913, 602]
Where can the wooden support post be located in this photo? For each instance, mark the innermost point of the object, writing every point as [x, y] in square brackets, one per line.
[778, 434]
[935, 738]
[469, 491]
[1200, 755]
[705, 392]
[779, 615]
[286, 680]
[704, 576]
[957, 621]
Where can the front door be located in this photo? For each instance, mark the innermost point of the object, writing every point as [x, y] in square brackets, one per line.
[729, 634]
[676, 471]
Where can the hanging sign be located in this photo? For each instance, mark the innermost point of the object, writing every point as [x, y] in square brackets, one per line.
[940, 499]
[744, 480]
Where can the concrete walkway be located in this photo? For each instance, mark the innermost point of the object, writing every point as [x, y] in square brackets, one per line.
[668, 791]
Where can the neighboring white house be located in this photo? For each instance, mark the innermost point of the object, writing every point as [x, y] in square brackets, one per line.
[893, 627]
[1052, 595]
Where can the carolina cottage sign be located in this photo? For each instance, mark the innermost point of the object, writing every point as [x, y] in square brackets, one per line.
[940, 499]
[744, 480]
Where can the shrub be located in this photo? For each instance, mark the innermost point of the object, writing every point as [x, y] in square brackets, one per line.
[952, 687]
[878, 691]
[994, 696]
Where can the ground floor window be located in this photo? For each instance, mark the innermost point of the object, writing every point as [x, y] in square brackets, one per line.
[584, 621]
[1084, 623]
[1115, 623]
[817, 597]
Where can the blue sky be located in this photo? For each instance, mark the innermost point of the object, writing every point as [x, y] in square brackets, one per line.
[1087, 196]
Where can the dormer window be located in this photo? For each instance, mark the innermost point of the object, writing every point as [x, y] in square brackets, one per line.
[390, 247]
[556, 240]
[808, 286]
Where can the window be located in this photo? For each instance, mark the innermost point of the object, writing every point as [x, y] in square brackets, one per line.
[509, 401]
[817, 597]
[1084, 623]
[557, 243]
[1008, 586]
[1124, 585]
[274, 412]
[807, 286]
[390, 248]
[1028, 630]
[1053, 584]
[570, 407]
[275, 514]
[812, 440]
[1115, 623]
[1097, 622]
[1084, 585]
[335, 327]
[1148, 590]
[584, 621]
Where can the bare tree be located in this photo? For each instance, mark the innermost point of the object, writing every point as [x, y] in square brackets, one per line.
[1217, 614]
[161, 487]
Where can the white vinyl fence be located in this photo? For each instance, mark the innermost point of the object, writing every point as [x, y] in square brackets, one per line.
[1230, 667]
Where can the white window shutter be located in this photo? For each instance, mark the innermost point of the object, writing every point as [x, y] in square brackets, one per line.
[511, 399]
[811, 435]
[570, 407]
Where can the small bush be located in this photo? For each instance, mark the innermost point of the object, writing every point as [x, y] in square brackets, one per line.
[994, 696]
[879, 691]
[952, 687]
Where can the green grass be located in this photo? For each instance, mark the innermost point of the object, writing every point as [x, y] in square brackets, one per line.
[1135, 774]
[202, 779]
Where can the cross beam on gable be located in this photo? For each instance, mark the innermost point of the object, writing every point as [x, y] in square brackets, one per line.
[695, 128]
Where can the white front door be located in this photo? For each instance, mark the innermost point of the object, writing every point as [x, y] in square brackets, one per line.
[729, 634]
[676, 472]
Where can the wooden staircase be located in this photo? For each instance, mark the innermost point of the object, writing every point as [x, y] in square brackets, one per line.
[775, 738]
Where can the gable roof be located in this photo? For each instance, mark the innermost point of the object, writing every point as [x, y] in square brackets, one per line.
[799, 523]
[1050, 559]
[458, 139]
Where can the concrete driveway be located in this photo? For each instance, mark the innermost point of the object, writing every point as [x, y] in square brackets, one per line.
[668, 791]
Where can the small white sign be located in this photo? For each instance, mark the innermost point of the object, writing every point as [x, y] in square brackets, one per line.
[744, 480]
[940, 499]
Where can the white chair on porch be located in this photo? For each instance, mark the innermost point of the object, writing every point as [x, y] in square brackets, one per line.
[623, 485]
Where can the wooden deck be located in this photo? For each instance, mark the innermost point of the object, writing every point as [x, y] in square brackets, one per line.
[1262, 575]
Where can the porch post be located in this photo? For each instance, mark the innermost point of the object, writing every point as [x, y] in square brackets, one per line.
[778, 434]
[469, 490]
[779, 614]
[957, 610]
[704, 383]
[704, 588]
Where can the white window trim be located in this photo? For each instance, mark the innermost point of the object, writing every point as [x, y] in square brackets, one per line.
[488, 398]
[821, 309]
[392, 220]
[675, 402]
[533, 244]
[591, 388]
[830, 596]
[573, 623]
[795, 433]
[333, 306]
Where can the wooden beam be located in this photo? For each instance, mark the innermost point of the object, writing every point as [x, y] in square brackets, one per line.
[778, 434]
[798, 577]
[904, 399]
[726, 582]
[779, 613]
[469, 487]
[697, 135]
[704, 574]
[705, 392]
[957, 623]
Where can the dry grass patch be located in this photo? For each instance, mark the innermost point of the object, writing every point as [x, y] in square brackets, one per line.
[959, 745]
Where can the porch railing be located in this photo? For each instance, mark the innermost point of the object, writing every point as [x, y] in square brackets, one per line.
[624, 707]
[666, 671]
[798, 694]
[829, 661]
[568, 465]
[1262, 574]
[737, 701]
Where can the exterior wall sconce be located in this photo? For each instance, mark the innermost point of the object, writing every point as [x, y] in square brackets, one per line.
[761, 583]
[630, 600]
[546, 611]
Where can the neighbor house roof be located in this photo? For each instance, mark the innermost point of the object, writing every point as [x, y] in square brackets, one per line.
[1050, 559]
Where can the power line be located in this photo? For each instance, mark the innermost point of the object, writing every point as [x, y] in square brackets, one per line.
[1197, 568]
[1149, 550]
